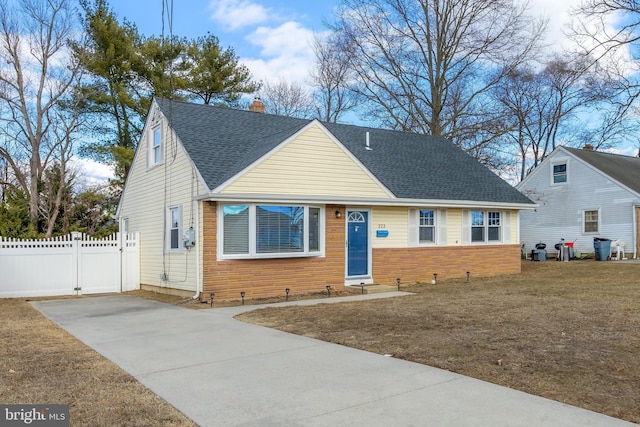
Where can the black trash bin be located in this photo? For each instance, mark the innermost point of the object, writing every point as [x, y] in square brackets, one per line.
[602, 248]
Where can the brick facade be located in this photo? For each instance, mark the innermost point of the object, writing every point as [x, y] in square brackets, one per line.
[419, 264]
[260, 278]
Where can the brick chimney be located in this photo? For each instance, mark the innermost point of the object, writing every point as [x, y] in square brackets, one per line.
[588, 147]
[256, 106]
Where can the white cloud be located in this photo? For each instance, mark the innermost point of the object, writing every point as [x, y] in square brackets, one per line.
[285, 53]
[233, 14]
[91, 172]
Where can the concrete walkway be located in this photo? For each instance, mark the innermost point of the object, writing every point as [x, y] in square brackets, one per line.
[222, 372]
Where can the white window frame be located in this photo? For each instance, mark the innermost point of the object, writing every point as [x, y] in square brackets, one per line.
[584, 221]
[253, 232]
[170, 227]
[486, 225]
[433, 226]
[560, 162]
[155, 147]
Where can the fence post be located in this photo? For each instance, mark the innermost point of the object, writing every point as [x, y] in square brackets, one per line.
[75, 262]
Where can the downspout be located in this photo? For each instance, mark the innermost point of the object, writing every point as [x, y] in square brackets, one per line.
[197, 245]
[635, 230]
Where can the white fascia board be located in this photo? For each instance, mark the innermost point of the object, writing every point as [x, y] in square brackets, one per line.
[363, 201]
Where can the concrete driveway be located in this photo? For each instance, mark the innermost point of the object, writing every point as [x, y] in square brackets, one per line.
[222, 372]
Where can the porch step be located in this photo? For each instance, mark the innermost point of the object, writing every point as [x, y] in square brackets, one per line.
[370, 289]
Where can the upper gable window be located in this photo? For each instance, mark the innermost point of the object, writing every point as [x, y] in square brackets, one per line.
[156, 147]
[560, 173]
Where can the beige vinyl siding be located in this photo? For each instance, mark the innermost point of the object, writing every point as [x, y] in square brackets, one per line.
[310, 164]
[149, 193]
[394, 220]
[454, 226]
[514, 226]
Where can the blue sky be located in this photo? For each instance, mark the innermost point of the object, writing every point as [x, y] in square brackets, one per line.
[271, 37]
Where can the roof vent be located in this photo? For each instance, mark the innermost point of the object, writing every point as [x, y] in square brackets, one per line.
[366, 142]
[588, 147]
[256, 106]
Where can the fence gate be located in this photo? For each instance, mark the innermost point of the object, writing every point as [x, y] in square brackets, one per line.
[69, 265]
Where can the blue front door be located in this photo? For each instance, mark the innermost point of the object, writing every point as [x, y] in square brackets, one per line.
[357, 243]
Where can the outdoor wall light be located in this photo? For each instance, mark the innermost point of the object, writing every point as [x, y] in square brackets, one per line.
[328, 290]
[242, 295]
[398, 283]
[211, 296]
[338, 214]
[287, 292]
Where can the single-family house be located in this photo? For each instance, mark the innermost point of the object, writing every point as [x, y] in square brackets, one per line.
[583, 194]
[230, 201]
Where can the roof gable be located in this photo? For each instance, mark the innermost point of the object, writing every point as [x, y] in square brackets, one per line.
[311, 162]
[223, 142]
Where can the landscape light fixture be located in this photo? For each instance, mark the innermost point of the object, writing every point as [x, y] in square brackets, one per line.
[435, 279]
[398, 283]
[468, 274]
[362, 287]
[211, 296]
[328, 290]
[242, 295]
[287, 292]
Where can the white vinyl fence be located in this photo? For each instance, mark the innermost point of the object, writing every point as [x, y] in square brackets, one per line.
[69, 265]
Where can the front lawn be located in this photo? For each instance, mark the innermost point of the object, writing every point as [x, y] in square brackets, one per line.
[568, 331]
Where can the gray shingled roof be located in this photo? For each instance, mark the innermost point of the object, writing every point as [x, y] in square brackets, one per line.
[223, 141]
[624, 169]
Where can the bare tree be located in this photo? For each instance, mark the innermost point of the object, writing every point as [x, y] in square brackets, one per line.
[563, 102]
[331, 79]
[39, 72]
[424, 66]
[613, 48]
[287, 99]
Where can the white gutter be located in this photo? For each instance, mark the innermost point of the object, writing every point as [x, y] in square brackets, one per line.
[358, 201]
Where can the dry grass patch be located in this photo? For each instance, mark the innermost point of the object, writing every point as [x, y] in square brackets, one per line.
[566, 331]
[42, 364]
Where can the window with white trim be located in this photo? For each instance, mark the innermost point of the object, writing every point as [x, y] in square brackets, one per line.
[155, 156]
[591, 221]
[559, 173]
[270, 231]
[486, 226]
[174, 228]
[427, 226]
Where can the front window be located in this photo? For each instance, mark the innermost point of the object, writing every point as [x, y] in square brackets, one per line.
[270, 230]
[559, 173]
[485, 226]
[591, 221]
[427, 226]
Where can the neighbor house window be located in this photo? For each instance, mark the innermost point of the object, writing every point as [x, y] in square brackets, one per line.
[559, 173]
[427, 226]
[253, 230]
[175, 227]
[485, 226]
[591, 221]
[156, 147]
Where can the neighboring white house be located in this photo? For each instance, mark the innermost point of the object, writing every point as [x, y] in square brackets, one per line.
[583, 194]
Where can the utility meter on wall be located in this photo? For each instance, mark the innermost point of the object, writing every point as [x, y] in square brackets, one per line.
[189, 238]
